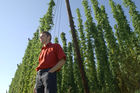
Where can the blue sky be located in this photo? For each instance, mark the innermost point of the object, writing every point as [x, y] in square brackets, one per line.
[19, 19]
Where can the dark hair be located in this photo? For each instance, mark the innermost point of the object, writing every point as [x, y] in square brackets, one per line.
[47, 33]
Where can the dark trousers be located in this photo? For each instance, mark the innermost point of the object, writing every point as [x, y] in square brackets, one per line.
[46, 82]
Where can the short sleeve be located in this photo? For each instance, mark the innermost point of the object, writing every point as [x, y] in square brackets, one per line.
[60, 52]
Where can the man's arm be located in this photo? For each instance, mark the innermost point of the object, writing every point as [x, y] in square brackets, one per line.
[58, 65]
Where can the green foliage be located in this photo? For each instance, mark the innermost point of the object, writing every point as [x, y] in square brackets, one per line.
[77, 76]
[90, 63]
[125, 37]
[64, 82]
[138, 91]
[72, 86]
[82, 40]
[135, 15]
[56, 40]
[24, 78]
[111, 65]
[46, 22]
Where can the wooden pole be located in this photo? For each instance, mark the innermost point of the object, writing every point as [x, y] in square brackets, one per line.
[76, 46]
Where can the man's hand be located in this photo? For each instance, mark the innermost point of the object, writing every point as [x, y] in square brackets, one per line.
[50, 71]
[34, 90]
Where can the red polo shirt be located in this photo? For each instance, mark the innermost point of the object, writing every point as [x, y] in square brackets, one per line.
[50, 55]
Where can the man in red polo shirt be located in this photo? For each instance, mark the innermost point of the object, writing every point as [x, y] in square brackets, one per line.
[51, 59]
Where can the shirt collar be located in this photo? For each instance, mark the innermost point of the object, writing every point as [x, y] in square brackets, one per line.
[47, 45]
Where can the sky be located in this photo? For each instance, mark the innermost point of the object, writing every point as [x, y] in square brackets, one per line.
[19, 19]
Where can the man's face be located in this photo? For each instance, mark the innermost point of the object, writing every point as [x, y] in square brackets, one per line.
[43, 38]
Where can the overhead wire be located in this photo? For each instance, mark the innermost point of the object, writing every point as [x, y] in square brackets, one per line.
[57, 19]
[60, 19]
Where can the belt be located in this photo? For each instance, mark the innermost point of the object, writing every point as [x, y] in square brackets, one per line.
[44, 70]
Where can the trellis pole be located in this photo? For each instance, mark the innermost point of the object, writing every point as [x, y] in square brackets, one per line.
[76, 47]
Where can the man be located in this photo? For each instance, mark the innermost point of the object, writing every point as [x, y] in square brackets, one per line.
[51, 59]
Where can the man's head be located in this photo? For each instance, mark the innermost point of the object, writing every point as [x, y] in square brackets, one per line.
[45, 37]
